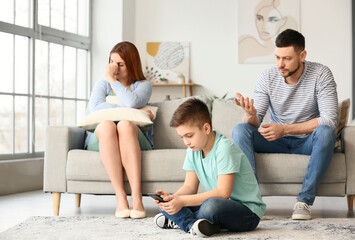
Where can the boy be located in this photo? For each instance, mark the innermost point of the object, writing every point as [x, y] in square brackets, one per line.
[232, 199]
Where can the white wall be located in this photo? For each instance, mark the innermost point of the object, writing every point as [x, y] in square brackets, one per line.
[328, 36]
[107, 30]
[212, 30]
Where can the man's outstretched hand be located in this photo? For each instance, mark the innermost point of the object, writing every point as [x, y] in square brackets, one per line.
[246, 104]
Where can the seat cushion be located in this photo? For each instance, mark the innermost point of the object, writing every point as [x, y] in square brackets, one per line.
[165, 137]
[226, 114]
[157, 165]
[291, 168]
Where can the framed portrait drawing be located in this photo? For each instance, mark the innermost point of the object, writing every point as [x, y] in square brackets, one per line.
[259, 23]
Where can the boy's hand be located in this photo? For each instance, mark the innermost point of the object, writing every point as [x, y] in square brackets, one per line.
[163, 194]
[173, 204]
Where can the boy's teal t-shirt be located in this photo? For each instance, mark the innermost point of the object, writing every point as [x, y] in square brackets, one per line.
[226, 158]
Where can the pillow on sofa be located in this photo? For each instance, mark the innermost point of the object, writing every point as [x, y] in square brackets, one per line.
[138, 117]
[343, 114]
[113, 100]
[164, 136]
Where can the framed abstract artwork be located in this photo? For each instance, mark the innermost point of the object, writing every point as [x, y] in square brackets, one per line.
[167, 62]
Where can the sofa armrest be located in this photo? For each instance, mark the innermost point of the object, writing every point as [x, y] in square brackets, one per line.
[59, 140]
[349, 148]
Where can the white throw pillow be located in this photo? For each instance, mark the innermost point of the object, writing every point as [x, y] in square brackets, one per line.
[138, 117]
[114, 100]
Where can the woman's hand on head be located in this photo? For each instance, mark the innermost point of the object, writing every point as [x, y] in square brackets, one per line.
[111, 70]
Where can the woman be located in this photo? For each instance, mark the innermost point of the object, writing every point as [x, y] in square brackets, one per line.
[120, 144]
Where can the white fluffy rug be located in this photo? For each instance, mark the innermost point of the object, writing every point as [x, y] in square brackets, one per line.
[90, 227]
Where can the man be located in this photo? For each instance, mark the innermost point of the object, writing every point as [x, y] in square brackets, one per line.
[303, 103]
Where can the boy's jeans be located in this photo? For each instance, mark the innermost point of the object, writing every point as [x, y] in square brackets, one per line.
[229, 214]
[319, 144]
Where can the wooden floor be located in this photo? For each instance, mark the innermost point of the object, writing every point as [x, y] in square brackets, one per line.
[18, 207]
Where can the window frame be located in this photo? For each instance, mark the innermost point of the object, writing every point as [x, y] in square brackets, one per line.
[50, 35]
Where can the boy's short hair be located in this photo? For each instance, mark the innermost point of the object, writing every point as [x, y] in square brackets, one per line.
[291, 37]
[192, 111]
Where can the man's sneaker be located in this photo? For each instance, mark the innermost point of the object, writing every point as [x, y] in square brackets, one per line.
[204, 228]
[301, 211]
[164, 222]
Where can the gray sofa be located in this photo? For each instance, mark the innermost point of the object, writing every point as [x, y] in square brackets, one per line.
[70, 169]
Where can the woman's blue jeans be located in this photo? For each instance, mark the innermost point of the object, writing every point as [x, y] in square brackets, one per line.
[229, 214]
[319, 144]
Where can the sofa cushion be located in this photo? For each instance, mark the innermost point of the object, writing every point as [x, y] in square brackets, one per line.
[157, 165]
[343, 115]
[291, 168]
[292, 189]
[226, 114]
[165, 137]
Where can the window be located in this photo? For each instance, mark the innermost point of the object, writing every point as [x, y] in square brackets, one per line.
[44, 70]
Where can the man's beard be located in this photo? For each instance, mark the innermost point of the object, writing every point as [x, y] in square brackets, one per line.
[293, 72]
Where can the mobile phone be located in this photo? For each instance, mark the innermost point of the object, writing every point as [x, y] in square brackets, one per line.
[156, 197]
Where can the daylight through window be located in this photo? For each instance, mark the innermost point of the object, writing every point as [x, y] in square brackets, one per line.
[45, 49]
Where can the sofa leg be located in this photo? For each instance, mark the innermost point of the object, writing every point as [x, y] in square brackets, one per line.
[77, 199]
[351, 199]
[56, 203]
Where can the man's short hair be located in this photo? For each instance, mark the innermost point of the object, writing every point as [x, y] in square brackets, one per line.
[192, 111]
[291, 37]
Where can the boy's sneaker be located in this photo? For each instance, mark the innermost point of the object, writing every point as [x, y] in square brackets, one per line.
[301, 211]
[164, 222]
[204, 228]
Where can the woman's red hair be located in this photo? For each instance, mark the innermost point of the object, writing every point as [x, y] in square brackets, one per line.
[130, 55]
